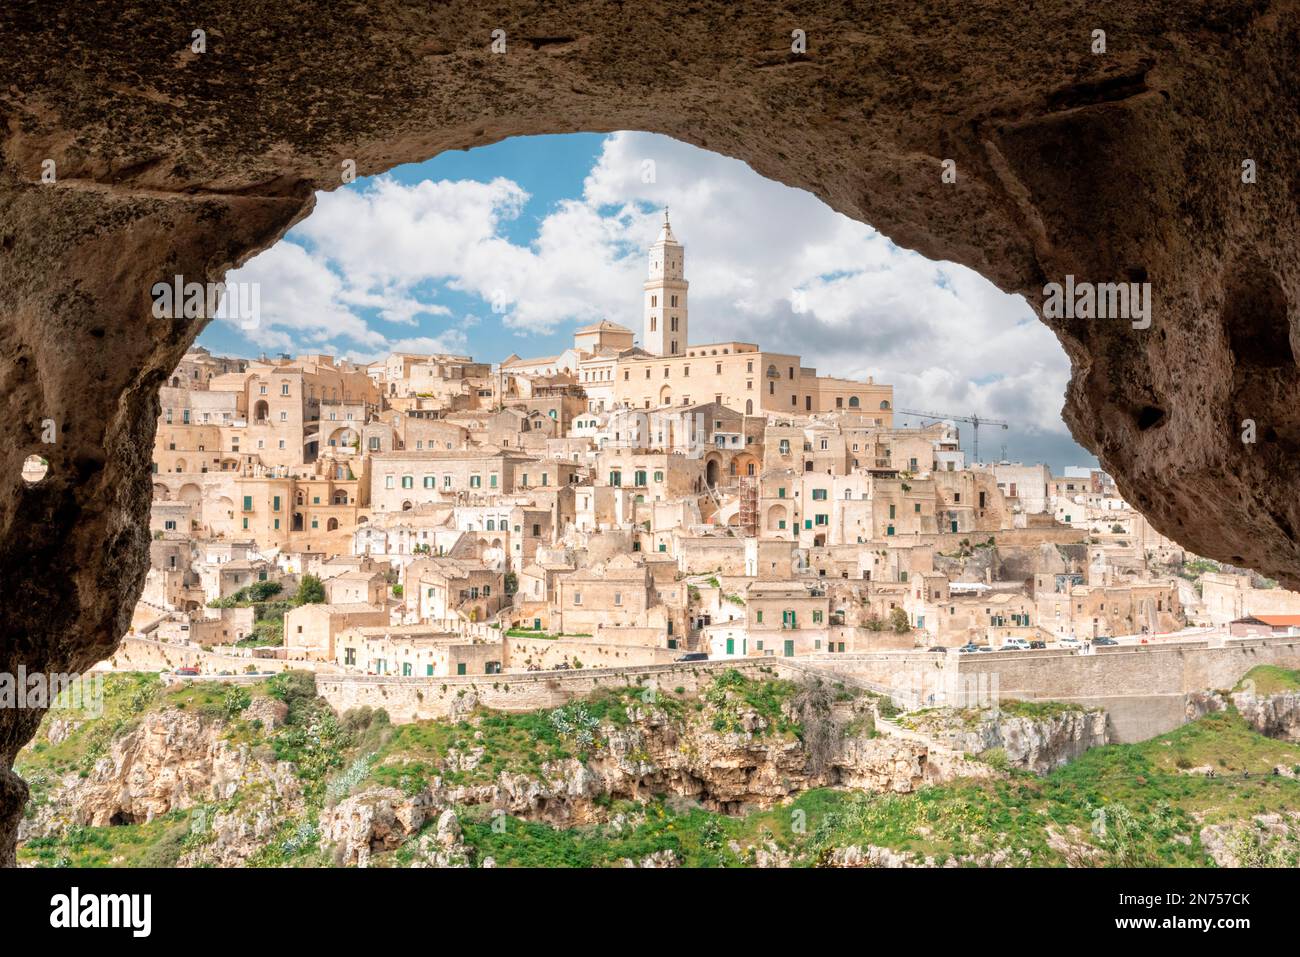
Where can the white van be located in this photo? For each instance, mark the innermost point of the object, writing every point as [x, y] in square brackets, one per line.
[1069, 641]
[1014, 644]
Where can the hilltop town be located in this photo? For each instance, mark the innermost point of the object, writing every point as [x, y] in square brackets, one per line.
[630, 502]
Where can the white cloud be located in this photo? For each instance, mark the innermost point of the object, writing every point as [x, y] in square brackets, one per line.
[946, 338]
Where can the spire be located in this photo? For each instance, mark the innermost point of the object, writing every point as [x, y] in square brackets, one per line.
[666, 231]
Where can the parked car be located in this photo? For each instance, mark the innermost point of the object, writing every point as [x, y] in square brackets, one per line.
[1104, 640]
[1069, 641]
[984, 648]
[1037, 643]
[968, 648]
[188, 672]
[694, 656]
[936, 648]
[1014, 644]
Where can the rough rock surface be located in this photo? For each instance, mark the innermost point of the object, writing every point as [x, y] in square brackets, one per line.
[174, 760]
[1275, 715]
[1035, 744]
[1265, 840]
[1108, 167]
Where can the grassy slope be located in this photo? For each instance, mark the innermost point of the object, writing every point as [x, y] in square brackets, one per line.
[1148, 799]
[1269, 680]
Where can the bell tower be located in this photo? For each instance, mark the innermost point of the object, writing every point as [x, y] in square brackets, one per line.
[665, 296]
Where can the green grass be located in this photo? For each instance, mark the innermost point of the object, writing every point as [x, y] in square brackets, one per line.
[1153, 809]
[1152, 813]
[156, 844]
[1269, 680]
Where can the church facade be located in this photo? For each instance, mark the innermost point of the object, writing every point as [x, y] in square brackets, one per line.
[667, 369]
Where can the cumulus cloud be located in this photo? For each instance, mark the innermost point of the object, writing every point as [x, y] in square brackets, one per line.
[766, 263]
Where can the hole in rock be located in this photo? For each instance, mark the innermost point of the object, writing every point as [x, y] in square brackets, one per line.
[35, 468]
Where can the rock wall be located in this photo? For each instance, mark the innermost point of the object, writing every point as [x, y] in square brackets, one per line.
[1038, 744]
[151, 160]
[1275, 716]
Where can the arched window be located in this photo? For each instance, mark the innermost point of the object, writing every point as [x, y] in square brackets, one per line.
[853, 402]
[884, 404]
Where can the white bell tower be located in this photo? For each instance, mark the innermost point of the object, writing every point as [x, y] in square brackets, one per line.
[665, 296]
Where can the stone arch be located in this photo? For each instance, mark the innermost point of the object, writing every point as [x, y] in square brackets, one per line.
[775, 516]
[712, 469]
[1022, 115]
[343, 438]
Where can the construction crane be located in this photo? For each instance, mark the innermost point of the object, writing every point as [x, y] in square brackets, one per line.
[974, 420]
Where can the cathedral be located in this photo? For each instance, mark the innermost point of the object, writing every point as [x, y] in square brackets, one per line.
[666, 369]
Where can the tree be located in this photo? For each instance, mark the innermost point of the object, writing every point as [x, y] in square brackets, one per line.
[311, 591]
[898, 618]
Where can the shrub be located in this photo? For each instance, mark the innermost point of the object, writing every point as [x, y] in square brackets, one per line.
[311, 591]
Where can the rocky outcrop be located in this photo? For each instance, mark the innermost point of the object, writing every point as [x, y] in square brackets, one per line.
[1275, 715]
[1038, 744]
[152, 159]
[174, 760]
[372, 822]
[1265, 840]
[653, 755]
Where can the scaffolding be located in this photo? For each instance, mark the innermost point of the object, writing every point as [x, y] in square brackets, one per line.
[748, 516]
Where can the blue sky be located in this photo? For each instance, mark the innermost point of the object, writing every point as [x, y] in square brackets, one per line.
[508, 248]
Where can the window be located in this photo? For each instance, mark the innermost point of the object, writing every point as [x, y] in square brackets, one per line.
[428, 481]
[891, 511]
[817, 617]
[760, 621]
[640, 478]
[784, 447]
[577, 598]
[248, 506]
[618, 598]
[823, 519]
[819, 494]
[476, 481]
[780, 492]
[616, 478]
